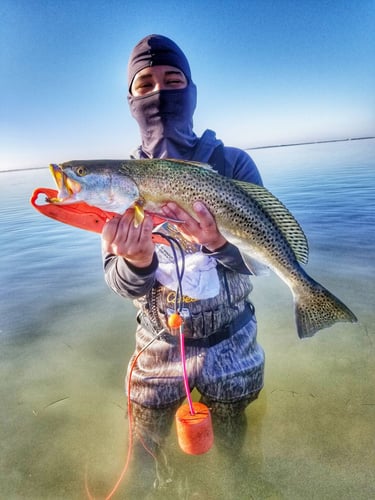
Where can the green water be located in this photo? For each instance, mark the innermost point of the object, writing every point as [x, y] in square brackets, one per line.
[66, 341]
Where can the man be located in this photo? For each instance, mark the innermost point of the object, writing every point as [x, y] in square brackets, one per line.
[224, 361]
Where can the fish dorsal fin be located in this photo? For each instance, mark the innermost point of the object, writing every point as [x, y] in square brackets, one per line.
[285, 221]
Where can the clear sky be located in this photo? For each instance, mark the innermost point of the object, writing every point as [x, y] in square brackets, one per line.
[267, 71]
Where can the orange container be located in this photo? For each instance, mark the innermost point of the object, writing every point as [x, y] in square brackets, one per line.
[194, 432]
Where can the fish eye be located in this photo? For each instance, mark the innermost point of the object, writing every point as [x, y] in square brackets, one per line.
[81, 171]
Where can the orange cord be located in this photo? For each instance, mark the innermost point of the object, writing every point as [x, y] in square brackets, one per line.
[130, 431]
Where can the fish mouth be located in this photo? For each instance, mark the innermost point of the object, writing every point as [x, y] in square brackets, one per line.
[67, 187]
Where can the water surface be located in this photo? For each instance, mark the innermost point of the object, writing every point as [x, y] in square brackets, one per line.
[65, 341]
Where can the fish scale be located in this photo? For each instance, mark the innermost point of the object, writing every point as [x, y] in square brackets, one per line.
[252, 225]
[248, 215]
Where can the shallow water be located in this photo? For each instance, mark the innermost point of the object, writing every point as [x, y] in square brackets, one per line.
[66, 340]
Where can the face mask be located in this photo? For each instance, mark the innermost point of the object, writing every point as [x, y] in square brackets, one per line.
[165, 119]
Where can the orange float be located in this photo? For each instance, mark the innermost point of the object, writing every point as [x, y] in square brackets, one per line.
[175, 321]
[194, 431]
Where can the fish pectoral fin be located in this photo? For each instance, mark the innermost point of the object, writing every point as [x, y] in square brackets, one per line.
[159, 218]
[254, 266]
[139, 214]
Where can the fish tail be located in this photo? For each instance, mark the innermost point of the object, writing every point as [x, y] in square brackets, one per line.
[317, 308]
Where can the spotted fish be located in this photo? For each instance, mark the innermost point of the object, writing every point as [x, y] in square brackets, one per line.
[248, 215]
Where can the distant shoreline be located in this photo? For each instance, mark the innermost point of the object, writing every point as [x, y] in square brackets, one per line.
[306, 143]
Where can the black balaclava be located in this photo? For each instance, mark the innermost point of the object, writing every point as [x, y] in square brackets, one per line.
[165, 118]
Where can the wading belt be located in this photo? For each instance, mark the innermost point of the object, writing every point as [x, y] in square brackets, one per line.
[209, 341]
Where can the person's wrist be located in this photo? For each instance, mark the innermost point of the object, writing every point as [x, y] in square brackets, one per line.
[141, 263]
[214, 246]
[140, 266]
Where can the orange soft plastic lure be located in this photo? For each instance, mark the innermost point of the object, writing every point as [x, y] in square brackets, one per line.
[79, 214]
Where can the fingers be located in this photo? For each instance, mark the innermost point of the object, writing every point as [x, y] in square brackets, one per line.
[210, 236]
[206, 219]
[202, 230]
[188, 227]
[121, 237]
[173, 211]
[109, 233]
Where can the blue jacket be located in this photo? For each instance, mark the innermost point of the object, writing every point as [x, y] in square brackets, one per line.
[130, 282]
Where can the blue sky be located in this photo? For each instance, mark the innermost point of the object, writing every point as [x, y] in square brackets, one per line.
[267, 72]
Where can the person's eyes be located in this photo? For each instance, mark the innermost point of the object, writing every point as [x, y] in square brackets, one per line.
[175, 81]
[143, 87]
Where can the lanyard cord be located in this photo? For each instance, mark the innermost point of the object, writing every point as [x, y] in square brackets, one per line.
[179, 271]
[177, 321]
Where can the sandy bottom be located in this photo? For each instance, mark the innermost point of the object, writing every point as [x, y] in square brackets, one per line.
[309, 435]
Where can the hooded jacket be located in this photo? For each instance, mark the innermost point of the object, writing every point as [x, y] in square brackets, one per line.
[166, 126]
[130, 282]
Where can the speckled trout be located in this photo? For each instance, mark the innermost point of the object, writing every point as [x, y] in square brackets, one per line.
[248, 215]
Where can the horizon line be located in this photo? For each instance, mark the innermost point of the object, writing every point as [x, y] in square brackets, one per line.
[305, 143]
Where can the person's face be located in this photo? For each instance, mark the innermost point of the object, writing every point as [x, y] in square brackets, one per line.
[155, 78]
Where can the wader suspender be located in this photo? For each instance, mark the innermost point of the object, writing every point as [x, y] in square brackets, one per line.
[215, 158]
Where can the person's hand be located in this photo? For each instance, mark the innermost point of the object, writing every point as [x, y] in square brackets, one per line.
[121, 237]
[201, 230]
